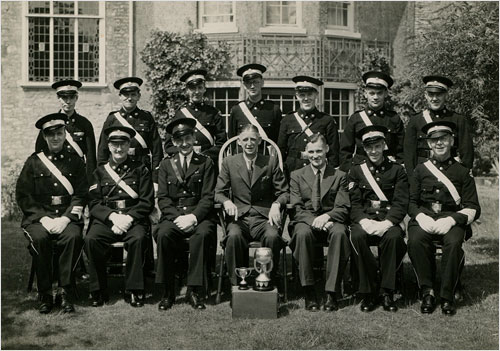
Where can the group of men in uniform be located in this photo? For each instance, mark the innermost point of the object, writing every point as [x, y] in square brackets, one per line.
[356, 182]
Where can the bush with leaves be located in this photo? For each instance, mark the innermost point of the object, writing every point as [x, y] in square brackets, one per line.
[168, 56]
[461, 44]
[11, 169]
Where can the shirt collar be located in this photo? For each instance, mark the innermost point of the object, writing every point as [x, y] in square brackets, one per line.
[188, 157]
[322, 169]
[248, 160]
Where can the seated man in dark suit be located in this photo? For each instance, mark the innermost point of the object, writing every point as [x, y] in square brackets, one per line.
[321, 200]
[186, 199]
[259, 190]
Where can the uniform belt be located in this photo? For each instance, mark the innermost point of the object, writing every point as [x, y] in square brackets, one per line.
[187, 201]
[59, 200]
[442, 208]
[121, 204]
[377, 204]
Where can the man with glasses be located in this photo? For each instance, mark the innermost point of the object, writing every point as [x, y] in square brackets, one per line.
[264, 114]
[298, 126]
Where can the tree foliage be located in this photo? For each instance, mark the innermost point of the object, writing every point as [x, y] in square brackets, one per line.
[462, 43]
[168, 56]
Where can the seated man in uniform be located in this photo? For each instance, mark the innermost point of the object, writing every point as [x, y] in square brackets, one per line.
[378, 188]
[186, 199]
[443, 203]
[259, 191]
[319, 194]
[121, 200]
[52, 192]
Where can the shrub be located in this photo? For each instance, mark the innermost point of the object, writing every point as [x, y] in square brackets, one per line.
[10, 172]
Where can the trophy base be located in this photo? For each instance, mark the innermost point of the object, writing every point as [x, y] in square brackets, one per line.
[251, 304]
[263, 288]
[243, 287]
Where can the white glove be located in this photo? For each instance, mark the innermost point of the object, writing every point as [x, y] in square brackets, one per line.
[443, 225]
[368, 225]
[59, 224]
[48, 224]
[426, 223]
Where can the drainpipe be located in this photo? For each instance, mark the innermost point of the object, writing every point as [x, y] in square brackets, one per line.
[130, 38]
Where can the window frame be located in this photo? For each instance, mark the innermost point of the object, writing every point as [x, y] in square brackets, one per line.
[222, 27]
[343, 31]
[25, 43]
[295, 29]
[351, 88]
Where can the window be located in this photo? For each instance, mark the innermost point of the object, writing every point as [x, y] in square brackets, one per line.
[337, 103]
[65, 41]
[284, 97]
[281, 13]
[338, 14]
[217, 16]
[223, 99]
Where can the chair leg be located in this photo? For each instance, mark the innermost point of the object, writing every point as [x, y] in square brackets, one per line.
[32, 275]
[285, 276]
[221, 273]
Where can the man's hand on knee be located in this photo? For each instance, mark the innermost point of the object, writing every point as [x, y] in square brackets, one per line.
[320, 221]
[59, 224]
[425, 222]
[444, 225]
[231, 209]
[186, 223]
[47, 223]
[275, 215]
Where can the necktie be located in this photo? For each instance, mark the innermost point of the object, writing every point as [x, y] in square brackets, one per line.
[316, 195]
[184, 167]
[250, 170]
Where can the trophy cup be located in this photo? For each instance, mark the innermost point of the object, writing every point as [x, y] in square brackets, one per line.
[263, 263]
[243, 273]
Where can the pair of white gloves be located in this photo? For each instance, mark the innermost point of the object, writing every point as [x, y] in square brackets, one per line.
[55, 225]
[440, 226]
[373, 227]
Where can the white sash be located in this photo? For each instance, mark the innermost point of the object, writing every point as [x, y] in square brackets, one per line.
[120, 182]
[200, 127]
[251, 118]
[376, 188]
[56, 172]
[427, 116]
[73, 144]
[137, 137]
[303, 125]
[365, 118]
[443, 179]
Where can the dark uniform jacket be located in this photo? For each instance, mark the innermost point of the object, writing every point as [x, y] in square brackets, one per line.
[106, 198]
[193, 195]
[334, 195]
[36, 187]
[416, 149]
[82, 132]
[267, 185]
[210, 118]
[425, 190]
[266, 112]
[393, 182]
[144, 123]
[292, 139]
[351, 145]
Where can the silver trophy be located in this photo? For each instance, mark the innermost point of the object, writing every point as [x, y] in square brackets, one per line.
[263, 263]
[243, 273]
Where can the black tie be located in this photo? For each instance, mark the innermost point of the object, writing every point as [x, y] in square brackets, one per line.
[316, 196]
[185, 167]
[250, 170]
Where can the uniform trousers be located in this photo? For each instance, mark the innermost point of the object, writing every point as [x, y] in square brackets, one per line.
[170, 240]
[302, 244]
[421, 251]
[392, 249]
[251, 227]
[98, 249]
[69, 243]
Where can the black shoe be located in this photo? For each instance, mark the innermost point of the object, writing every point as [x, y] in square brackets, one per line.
[66, 303]
[166, 303]
[388, 303]
[98, 298]
[196, 301]
[331, 303]
[368, 304]
[448, 307]
[428, 304]
[46, 304]
[137, 299]
[311, 299]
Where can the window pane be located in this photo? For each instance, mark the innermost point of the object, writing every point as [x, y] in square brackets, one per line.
[39, 7]
[234, 94]
[64, 7]
[338, 13]
[88, 8]
[220, 94]
[273, 14]
[88, 50]
[64, 52]
[289, 15]
[38, 49]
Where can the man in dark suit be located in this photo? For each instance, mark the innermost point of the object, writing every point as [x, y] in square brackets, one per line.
[186, 199]
[259, 191]
[121, 199]
[378, 188]
[319, 194]
[443, 203]
[52, 193]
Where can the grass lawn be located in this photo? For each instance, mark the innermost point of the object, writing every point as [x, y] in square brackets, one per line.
[119, 326]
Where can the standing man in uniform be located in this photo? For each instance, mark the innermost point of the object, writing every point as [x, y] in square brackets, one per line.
[298, 126]
[121, 199]
[259, 191]
[378, 188]
[443, 203]
[209, 129]
[416, 149]
[319, 195]
[80, 138]
[146, 145]
[186, 200]
[377, 86]
[264, 114]
[52, 192]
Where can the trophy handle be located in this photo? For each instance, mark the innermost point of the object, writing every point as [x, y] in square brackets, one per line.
[270, 266]
[258, 269]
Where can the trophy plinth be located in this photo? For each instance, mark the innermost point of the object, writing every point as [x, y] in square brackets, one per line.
[251, 304]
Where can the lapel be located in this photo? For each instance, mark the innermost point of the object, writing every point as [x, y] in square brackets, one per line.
[242, 169]
[193, 165]
[328, 179]
[177, 161]
[309, 176]
[260, 166]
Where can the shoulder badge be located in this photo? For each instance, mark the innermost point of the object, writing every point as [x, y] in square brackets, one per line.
[351, 185]
[93, 187]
